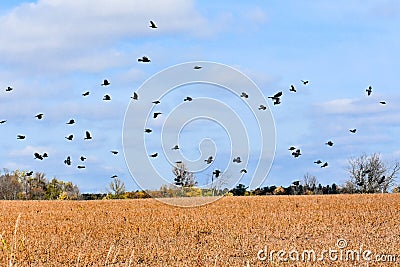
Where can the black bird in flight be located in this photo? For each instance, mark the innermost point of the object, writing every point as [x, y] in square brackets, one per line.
[237, 160]
[87, 136]
[39, 116]
[9, 89]
[291, 148]
[20, 137]
[71, 121]
[107, 98]
[353, 130]
[324, 165]
[70, 137]
[296, 183]
[217, 173]
[115, 152]
[361, 183]
[209, 160]
[197, 67]
[188, 98]
[135, 96]
[178, 162]
[318, 161]
[3, 121]
[154, 155]
[329, 143]
[81, 167]
[155, 115]
[296, 153]
[243, 171]
[45, 155]
[38, 156]
[262, 107]
[147, 130]
[144, 59]
[176, 147]
[114, 176]
[292, 88]
[86, 93]
[156, 102]
[105, 83]
[369, 90]
[152, 25]
[29, 173]
[67, 161]
[305, 82]
[383, 102]
[245, 95]
[82, 158]
[276, 98]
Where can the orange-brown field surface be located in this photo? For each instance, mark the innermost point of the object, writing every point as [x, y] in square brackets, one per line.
[228, 232]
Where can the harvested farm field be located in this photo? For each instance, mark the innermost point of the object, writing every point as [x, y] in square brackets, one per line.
[334, 230]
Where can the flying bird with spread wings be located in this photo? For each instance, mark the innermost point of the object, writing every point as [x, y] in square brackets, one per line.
[88, 136]
[152, 25]
[209, 160]
[105, 83]
[276, 98]
[135, 96]
[305, 82]
[38, 156]
[144, 59]
[39, 116]
[369, 90]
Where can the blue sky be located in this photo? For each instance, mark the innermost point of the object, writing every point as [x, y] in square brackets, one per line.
[53, 51]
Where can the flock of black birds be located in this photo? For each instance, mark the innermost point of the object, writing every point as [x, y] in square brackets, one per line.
[68, 160]
[296, 152]
[276, 98]
[87, 136]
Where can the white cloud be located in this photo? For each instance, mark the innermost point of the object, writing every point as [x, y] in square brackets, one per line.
[29, 150]
[350, 106]
[256, 15]
[75, 33]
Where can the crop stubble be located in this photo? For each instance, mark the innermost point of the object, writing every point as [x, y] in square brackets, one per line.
[228, 232]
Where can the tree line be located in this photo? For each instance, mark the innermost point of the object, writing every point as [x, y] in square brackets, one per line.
[28, 186]
[367, 174]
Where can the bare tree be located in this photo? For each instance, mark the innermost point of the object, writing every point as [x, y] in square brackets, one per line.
[116, 188]
[217, 183]
[369, 174]
[183, 177]
[9, 186]
[310, 182]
